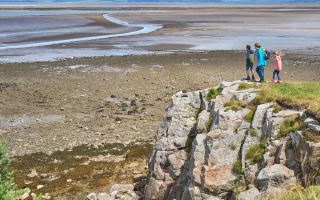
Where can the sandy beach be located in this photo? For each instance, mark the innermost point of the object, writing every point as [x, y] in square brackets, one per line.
[52, 113]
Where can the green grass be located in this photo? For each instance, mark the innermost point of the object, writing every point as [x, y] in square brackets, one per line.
[213, 93]
[37, 197]
[249, 117]
[233, 146]
[255, 152]
[209, 124]
[245, 86]
[290, 124]
[7, 187]
[237, 167]
[276, 108]
[196, 115]
[295, 93]
[235, 105]
[252, 132]
[299, 193]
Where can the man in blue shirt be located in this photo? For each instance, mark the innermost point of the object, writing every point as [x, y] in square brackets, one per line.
[260, 61]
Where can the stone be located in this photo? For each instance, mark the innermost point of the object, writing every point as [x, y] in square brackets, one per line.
[25, 195]
[103, 196]
[33, 173]
[259, 115]
[236, 117]
[203, 118]
[46, 196]
[310, 121]
[44, 176]
[218, 178]
[40, 187]
[275, 176]
[180, 142]
[251, 194]
[250, 173]
[92, 196]
[314, 127]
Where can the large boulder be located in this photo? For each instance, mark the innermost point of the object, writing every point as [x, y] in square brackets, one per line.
[275, 176]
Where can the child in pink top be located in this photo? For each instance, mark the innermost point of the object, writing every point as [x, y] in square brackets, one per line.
[277, 67]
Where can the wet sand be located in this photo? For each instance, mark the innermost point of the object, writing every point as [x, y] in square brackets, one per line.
[185, 27]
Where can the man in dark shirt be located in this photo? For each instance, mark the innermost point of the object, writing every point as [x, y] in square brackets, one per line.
[249, 63]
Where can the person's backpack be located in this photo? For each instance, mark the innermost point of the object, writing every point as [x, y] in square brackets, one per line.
[267, 54]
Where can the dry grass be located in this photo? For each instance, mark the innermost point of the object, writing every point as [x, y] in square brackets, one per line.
[300, 193]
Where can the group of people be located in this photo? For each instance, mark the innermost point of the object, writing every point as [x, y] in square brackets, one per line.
[259, 60]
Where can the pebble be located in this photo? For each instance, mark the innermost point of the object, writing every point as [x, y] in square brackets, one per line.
[69, 180]
[40, 187]
[33, 173]
[46, 196]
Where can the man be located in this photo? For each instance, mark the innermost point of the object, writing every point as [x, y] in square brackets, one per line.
[259, 61]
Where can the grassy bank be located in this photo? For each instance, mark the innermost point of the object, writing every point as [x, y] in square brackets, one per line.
[295, 94]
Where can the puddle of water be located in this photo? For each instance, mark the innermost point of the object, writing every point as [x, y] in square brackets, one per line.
[74, 173]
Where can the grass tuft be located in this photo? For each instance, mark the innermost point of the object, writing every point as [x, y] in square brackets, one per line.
[276, 108]
[245, 86]
[310, 136]
[209, 124]
[252, 132]
[196, 115]
[233, 146]
[299, 193]
[255, 152]
[237, 167]
[290, 124]
[213, 93]
[235, 105]
[249, 117]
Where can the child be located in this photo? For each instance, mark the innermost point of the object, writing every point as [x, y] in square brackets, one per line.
[277, 67]
[249, 63]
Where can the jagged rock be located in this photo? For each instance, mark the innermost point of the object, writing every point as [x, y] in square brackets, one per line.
[204, 170]
[310, 121]
[202, 121]
[177, 122]
[268, 124]
[314, 127]
[275, 176]
[245, 95]
[123, 191]
[227, 90]
[180, 142]
[218, 179]
[251, 194]
[176, 161]
[250, 173]
[259, 115]
[236, 117]
[153, 189]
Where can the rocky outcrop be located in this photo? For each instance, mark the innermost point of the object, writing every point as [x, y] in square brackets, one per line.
[207, 148]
